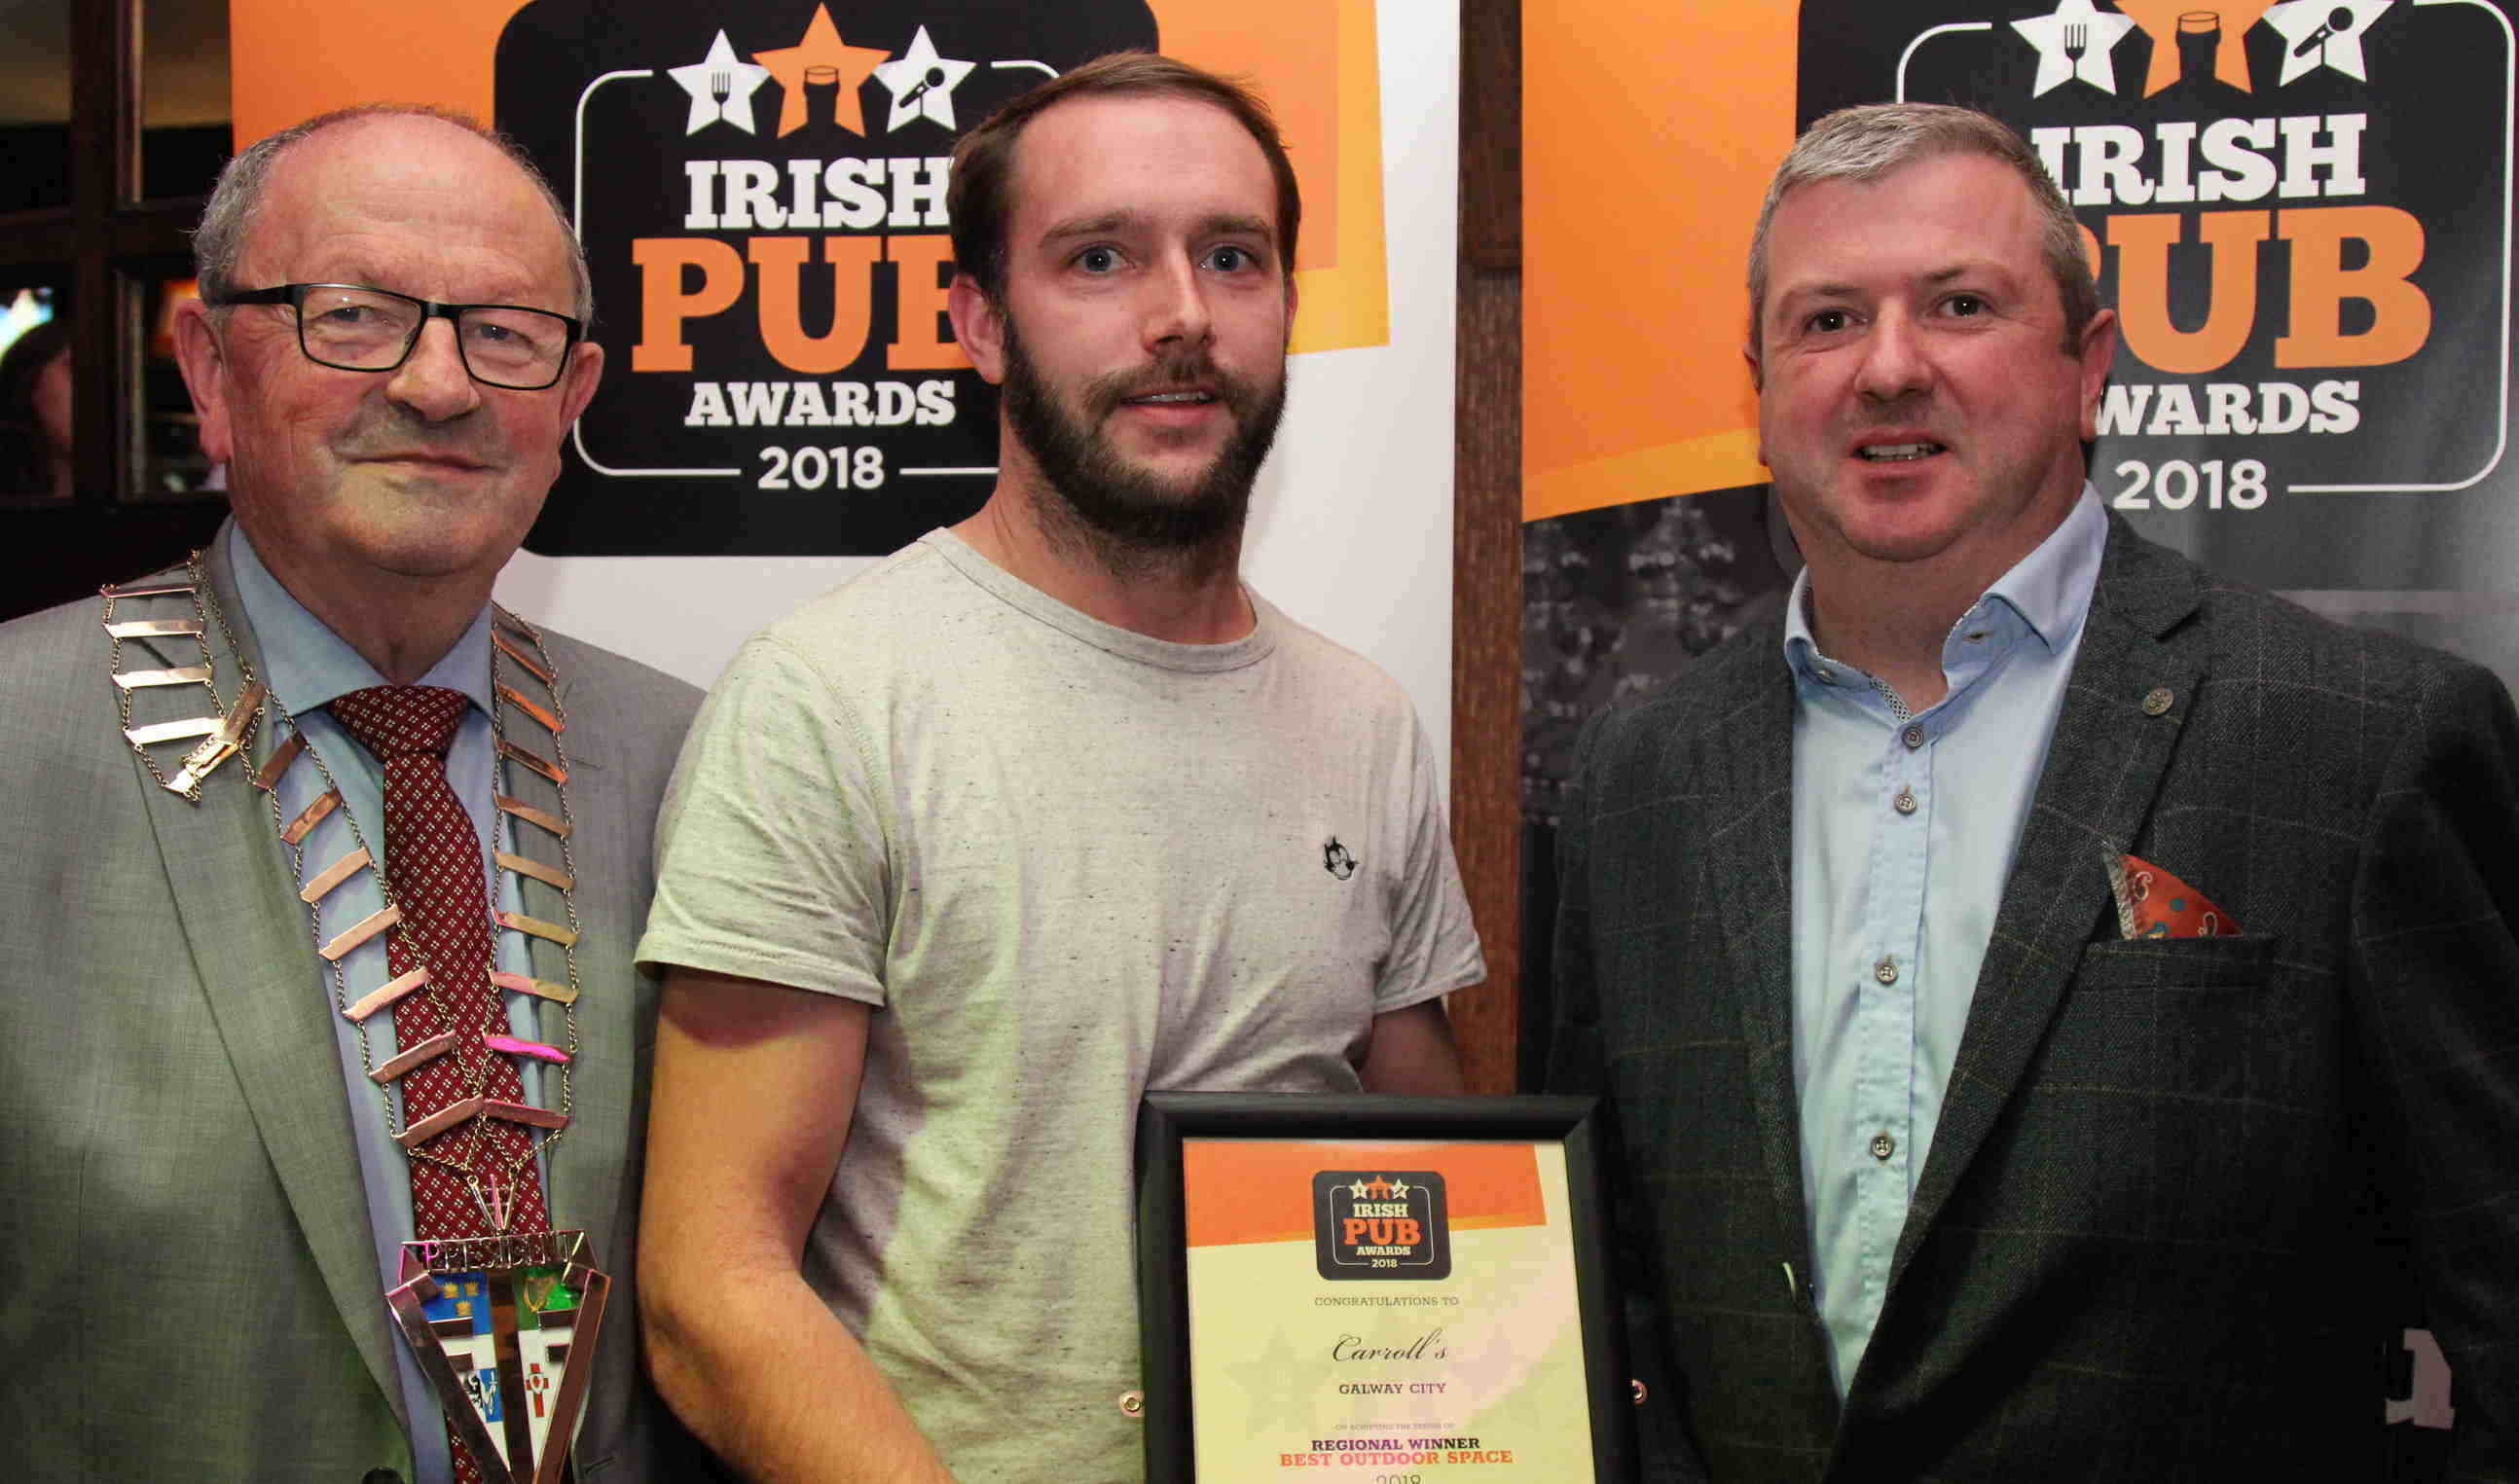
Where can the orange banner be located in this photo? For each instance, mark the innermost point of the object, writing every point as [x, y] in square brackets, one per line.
[1316, 61]
[1648, 135]
[1260, 1189]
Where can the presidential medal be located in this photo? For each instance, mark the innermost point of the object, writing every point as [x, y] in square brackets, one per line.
[504, 1328]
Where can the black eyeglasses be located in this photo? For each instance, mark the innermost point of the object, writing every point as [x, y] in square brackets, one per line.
[353, 327]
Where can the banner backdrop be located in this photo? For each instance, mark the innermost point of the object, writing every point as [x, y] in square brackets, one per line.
[760, 187]
[2302, 212]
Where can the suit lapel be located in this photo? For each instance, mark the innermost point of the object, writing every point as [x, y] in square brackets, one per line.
[1751, 868]
[2103, 770]
[249, 944]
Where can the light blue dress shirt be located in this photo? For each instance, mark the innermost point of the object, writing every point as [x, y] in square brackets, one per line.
[307, 665]
[1904, 828]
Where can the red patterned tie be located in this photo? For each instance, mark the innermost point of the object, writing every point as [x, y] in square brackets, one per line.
[434, 865]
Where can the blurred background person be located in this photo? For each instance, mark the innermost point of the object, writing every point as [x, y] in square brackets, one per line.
[35, 412]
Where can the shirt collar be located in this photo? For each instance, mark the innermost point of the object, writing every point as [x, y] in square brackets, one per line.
[307, 666]
[2050, 588]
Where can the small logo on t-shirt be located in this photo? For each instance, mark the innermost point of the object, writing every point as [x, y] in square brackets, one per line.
[1336, 859]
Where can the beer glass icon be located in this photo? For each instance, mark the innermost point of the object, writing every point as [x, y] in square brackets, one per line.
[2199, 39]
[822, 94]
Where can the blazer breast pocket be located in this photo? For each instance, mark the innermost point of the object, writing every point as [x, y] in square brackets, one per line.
[2235, 961]
[2171, 1017]
[2179, 1065]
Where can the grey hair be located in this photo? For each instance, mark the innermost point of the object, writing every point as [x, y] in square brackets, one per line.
[1867, 142]
[235, 201]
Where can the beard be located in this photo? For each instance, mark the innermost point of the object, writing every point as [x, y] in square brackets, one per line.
[1121, 505]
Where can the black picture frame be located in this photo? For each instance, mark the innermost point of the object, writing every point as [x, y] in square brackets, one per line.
[1164, 1119]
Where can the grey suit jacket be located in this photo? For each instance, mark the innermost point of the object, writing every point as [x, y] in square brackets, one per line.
[2183, 1191]
[187, 1280]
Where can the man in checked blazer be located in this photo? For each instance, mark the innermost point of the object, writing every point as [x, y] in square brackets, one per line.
[197, 1194]
[1928, 1169]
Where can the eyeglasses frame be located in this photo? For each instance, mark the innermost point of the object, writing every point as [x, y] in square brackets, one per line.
[295, 297]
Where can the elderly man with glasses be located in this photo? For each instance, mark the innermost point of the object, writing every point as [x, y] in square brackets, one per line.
[319, 1030]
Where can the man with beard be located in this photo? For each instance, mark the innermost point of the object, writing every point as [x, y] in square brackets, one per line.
[1035, 817]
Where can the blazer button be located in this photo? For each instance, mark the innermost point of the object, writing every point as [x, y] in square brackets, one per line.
[2157, 701]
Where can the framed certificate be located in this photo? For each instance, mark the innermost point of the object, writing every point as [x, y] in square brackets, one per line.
[1392, 1290]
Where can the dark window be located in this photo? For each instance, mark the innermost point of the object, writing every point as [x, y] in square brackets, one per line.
[114, 125]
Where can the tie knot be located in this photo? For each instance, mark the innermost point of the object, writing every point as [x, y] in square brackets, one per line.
[402, 720]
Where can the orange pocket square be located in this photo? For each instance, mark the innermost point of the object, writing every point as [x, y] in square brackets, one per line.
[2153, 903]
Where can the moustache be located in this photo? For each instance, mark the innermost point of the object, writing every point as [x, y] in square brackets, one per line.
[1172, 373]
[394, 431]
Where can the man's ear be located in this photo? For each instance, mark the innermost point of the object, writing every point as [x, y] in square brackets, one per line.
[2098, 354]
[577, 384]
[1757, 383]
[204, 361]
[979, 325]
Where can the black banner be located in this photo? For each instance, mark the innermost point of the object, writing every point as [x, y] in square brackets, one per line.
[760, 186]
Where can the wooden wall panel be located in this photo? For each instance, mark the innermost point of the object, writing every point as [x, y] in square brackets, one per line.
[1486, 535]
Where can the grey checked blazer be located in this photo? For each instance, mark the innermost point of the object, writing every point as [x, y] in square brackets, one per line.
[2182, 1190]
[188, 1286]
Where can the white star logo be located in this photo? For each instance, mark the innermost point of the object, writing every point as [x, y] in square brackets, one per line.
[922, 83]
[2074, 42]
[2323, 33]
[721, 88]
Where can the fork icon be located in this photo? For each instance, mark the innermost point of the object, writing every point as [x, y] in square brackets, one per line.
[721, 87]
[2077, 40]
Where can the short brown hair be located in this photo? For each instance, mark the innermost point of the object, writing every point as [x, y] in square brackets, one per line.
[1867, 142]
[981, 198]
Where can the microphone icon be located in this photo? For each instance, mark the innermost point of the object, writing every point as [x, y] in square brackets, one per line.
[936, 79]
[2340, 23]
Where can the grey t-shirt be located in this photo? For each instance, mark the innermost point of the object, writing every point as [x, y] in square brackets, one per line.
[1069, 863]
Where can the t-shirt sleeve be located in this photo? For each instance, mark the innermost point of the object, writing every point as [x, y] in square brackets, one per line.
[1434, 948]
[771, 850]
